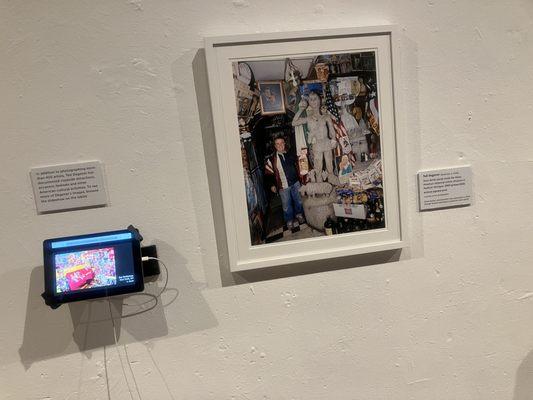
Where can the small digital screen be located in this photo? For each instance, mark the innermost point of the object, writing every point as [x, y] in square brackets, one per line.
[97, 262]
[85, 269]
[91, 266]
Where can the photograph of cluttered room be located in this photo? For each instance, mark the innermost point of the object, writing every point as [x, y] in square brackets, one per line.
[311, 145]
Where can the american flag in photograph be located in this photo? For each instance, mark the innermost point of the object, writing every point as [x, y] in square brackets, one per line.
[341, 135]
[269, 167]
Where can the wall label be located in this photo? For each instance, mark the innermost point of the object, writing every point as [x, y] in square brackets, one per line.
[68, 186]
[443, 188]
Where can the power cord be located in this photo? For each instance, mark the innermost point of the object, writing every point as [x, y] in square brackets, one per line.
[162, 290]
[118, 351]
[153, 298]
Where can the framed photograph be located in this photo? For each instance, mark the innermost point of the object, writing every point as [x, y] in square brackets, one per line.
[308, 86]
[271, 97]
[323, 177]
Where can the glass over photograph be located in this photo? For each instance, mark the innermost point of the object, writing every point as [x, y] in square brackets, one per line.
[311, 145]
[85, 270]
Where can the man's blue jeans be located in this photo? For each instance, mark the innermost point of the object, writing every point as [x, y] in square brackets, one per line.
[291, 202]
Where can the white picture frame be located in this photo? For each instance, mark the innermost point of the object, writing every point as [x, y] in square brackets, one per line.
[221, 52]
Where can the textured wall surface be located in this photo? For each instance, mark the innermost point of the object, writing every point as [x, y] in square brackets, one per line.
[124, 82]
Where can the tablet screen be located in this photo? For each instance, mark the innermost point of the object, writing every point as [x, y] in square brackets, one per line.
[87, 269]
[97, 264]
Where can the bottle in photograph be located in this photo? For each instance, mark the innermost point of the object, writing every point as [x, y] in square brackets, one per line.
[371, 220]
[380, 215]
[335, 226]
[351, 225]
[377, 213]
[340, 226]
[328, 227]
[345, 225]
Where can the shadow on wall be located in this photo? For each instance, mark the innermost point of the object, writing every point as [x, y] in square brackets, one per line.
[313, 267]
[203, 99]
[523, 389]
[201, 87]
[195, 80]
[87, 325]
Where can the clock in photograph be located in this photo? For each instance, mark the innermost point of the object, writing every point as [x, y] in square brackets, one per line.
[245, 73]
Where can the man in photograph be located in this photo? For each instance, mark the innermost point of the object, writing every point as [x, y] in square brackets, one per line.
[283, 167]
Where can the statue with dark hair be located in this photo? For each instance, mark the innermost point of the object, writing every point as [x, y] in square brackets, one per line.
[319, 124]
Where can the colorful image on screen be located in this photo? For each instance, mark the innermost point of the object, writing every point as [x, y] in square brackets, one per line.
[85, 269]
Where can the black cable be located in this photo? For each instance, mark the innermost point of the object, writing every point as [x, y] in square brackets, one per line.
[162, 290]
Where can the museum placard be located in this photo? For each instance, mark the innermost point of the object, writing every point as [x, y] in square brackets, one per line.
[444, 188]
[68, 186]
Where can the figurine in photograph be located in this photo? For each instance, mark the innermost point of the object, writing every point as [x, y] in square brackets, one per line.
[303, 164]
[345, 170]
[319, 124]
[345, 167]
[348, 120]
[358, 136]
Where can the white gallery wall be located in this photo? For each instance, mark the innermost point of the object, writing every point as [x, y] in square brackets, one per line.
[124, 82]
